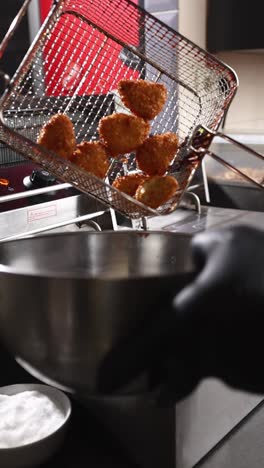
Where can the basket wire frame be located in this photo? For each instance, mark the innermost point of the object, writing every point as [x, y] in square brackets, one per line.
[74, 65]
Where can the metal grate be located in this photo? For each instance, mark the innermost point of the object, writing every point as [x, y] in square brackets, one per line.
[79, 56]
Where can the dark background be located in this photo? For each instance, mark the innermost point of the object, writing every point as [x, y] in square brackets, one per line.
[235, 25]
[19, 44]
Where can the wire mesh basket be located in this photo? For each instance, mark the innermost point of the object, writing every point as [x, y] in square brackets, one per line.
[82, 51]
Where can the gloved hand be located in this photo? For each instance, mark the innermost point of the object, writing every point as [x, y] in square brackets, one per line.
[214, 327]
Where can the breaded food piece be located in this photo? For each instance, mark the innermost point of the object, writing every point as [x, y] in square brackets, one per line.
[144, 98]
[58, 135]
[157, 190]
[156, 153]
[122, 133]
[129, 183]
[91, 156]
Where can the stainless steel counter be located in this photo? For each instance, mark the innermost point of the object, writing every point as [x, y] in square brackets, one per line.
[208, 417]
[191, 222]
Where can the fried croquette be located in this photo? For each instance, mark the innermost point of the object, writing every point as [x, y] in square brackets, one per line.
[156, 153]
[58, 135]
[144, 98]
[92, 157]
[157, 190]
[122, 133]
[129, 183]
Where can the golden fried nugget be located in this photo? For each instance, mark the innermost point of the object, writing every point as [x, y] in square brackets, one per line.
[91, 156]
[157, 190]
[58, 135]
[156, 153]
[122, 133]
[129, 183]
[144, 98]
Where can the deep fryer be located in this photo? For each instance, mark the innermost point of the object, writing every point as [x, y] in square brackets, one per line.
[85, 36]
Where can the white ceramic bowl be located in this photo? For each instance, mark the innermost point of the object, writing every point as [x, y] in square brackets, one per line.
[32, 454]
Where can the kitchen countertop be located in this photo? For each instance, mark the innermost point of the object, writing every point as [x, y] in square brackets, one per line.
[191, 222]
[87, 443]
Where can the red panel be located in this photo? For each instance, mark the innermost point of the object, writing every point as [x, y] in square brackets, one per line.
[44, 6]
[79, 59]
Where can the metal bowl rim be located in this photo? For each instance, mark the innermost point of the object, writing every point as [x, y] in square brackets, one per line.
[60, 275]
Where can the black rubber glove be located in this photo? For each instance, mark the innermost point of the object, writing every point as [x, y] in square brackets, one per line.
[215, 326]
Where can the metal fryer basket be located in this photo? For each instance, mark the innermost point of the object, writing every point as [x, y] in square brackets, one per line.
[83, 49]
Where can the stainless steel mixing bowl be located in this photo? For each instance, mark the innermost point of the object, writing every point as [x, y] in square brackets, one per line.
[66, 299]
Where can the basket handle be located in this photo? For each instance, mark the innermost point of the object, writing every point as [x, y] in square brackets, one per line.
[202, 138]
[4, 78]
[13, 26]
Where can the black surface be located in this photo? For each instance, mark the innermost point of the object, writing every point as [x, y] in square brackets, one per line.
[232, 196]
[235, 25]
[87, 443]
[18, 45]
